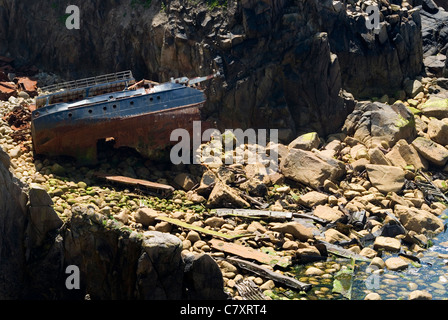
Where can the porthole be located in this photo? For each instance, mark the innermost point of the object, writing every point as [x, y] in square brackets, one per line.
[90, 111]
[158, 97]
[70, 115]
[104, 108]
[132, 103]
[114, 106]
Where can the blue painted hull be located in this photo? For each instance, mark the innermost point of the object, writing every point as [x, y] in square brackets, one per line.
[142, 119]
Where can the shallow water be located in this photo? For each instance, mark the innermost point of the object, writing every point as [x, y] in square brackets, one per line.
[430, 275]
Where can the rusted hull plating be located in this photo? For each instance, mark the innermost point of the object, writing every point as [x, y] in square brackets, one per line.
[149, 134]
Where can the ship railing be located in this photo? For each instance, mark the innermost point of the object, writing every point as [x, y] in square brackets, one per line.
[92, 81]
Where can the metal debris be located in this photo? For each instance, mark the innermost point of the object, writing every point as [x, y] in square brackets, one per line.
[248, 290]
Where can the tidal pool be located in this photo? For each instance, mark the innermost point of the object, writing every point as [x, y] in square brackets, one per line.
[431, 275]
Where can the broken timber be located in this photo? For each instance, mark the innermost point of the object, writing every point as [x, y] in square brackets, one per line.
[136, 182]
[250, 253]
[434, 190]
[249, 213]
[203, 230]
[342, 252]
[268, 274]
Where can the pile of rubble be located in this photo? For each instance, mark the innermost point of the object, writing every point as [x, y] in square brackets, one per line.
[16, 82]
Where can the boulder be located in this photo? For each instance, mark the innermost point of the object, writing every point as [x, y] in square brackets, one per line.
[404, 155]
[395, 264]
[306, 141]
[332, 236]
[372, 296]
[431, 151]
[434, 65]
[203, 278]
[159, 273]
[412, 87]
[311, 169]
[437, 108]
[420, 295]
[313, 198]
[146, 216]
[430, 6]
[38, 196]
[185, 181]
[313, 271]
[418, 220]
[377, 156]
[207, 183]
[224, 196]
[372, 123]
[386, 178]
[438, 131]
[298, 230]
[387, 243]
[327, 213]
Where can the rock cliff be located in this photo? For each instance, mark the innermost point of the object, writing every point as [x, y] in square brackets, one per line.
[285, 63]
[36, 248]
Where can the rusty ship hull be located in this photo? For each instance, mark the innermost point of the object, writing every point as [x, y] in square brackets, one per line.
[142, 119]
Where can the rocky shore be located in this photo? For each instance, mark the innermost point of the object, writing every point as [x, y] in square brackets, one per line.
[372, 192]
[374, 166]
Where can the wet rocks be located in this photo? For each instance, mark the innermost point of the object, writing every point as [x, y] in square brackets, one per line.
[420, 295]
[387, 243]
[395, 264]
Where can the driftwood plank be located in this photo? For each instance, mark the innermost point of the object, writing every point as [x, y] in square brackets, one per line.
[342, 252]
[249, 253]
[251, 213]
[202, 230]
[268, 274]
[135, 182]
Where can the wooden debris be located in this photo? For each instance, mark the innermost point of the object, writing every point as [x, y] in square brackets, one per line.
[342, 252]
[310, 216]
[136, 182]
[202, 230]
[249, 213]
[269, 274]
[250, 253]
[248, 290]
[432, 189]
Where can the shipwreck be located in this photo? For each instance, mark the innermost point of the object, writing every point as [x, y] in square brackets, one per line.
[71, 118]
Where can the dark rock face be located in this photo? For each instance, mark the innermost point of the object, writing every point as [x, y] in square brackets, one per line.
[434, 32]
[13, 221]
[285, 62]
[36, 249]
